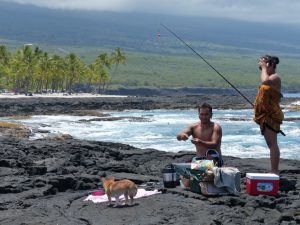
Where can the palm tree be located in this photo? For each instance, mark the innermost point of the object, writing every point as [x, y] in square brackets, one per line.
[43, 75]
[91, 75]
[28, 59]
[57, 73]
[4, 65]
[102, 62]
[29, 68]
[117, 57]
[74, 70]
[4, 55]
[100, 75]
[16, 76]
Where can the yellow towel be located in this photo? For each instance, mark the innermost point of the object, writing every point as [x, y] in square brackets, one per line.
[267, 111]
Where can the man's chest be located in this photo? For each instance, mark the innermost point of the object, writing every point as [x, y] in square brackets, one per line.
[203, 134]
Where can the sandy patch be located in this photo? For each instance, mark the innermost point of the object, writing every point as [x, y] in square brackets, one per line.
[59, 95]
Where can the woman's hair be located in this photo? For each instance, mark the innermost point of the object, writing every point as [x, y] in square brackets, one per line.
[272, 60]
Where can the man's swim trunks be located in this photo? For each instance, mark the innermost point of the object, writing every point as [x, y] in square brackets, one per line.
[267, 111]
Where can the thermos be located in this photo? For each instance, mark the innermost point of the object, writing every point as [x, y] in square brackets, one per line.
[170, 177]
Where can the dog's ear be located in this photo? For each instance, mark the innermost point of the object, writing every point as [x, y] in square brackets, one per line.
[112, 178]
[103, 179]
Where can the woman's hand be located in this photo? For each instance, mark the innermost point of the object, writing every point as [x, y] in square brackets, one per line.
[262, 64]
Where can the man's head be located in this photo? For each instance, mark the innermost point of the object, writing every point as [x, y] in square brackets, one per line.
[205, 113]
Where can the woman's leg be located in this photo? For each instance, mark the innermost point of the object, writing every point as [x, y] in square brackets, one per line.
[271, 139]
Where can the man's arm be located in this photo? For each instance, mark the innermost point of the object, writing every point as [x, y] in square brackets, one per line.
[184, 135]
[215, 138]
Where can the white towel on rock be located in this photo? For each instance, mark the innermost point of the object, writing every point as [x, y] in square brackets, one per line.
[103, 198]
[229, 177]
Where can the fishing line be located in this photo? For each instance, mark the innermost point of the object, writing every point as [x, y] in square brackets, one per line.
[169, 30]
[208, 64]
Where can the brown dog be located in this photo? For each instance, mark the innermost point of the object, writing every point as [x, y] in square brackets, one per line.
[117, 188]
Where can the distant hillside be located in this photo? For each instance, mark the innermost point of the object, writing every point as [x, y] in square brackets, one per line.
[137, 32]
[233, 47]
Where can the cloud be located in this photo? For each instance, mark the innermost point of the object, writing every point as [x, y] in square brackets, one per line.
[253, 10]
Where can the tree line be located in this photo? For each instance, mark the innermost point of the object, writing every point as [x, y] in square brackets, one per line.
[31, 69]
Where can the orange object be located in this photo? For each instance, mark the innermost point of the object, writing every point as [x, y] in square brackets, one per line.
[185, 182]
[267, 108]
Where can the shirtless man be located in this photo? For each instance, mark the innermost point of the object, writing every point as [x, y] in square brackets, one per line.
[205, 133]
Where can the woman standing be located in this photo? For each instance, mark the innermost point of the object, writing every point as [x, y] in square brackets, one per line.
[267, 111]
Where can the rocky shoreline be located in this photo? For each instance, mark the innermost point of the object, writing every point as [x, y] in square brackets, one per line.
[46, 181]
[38, 105]
[33, 105]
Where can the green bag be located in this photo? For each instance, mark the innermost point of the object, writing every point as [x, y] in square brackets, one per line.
[182, 169]
[195, 177]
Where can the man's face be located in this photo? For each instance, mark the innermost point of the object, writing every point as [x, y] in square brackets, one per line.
[204, 115]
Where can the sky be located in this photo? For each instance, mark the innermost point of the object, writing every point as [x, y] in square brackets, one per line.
[277, 11]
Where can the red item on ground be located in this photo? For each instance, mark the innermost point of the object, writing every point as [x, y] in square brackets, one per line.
[262, 183]
[98, 193]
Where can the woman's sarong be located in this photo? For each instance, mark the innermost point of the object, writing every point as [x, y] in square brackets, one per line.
[267, 111]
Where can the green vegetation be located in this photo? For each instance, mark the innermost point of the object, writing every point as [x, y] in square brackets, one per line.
[177, 68]
[169, 70]
[31, 69]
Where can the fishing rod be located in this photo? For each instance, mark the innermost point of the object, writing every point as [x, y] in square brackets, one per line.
[208, 64]
[212, 68]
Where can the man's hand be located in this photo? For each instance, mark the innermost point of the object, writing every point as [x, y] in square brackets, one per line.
[196, 141]
[182, 137]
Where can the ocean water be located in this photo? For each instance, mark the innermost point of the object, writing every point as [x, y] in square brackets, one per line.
[291, 95]
[158, 128]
